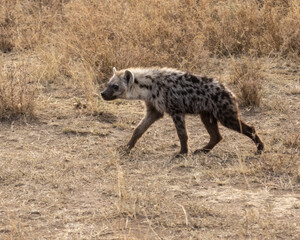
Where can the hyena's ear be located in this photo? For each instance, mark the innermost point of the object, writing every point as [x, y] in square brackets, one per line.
[114, 70]
[129, 78]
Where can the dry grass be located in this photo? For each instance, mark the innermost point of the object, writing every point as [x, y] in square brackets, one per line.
[82, 40]
[247, 75]
[27, 24]
[176, 33]
[17, 93]
[61, 176]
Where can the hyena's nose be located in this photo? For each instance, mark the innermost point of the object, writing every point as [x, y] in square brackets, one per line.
[102, 94]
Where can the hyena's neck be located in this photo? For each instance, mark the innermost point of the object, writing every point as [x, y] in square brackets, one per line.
[147, 91]
[141, 89]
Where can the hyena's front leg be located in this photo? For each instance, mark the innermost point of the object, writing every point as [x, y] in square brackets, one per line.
[151, 116]
[179, 122]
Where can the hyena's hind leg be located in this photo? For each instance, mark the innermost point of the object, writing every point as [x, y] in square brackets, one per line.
[151, 116]
[211, 125]
[235, 123]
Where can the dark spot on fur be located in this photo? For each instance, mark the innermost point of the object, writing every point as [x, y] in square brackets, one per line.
[169, 80]
[225, 95]
[183, 86]
[174, 103]
[136, 81]
[145, 86]
[153, 96]
[215, 97]
[200, 92]
[149, 77]
[206, 102]
[190, 90]
[224, 106]
[194, 79]
[183, 93]
[180, 78]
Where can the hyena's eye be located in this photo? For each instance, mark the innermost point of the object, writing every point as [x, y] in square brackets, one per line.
[115, 87]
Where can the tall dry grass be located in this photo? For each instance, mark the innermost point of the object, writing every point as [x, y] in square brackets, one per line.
[176, 33]
[247, 75]
[27, 24]
[17, 93]
[84, 39]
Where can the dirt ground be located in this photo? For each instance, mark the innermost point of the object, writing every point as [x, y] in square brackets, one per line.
[62, 176]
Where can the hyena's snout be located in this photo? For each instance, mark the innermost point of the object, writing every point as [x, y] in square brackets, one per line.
[103, 95]
[107, 95]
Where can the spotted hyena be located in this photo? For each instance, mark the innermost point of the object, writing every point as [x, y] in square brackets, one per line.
[179, 93]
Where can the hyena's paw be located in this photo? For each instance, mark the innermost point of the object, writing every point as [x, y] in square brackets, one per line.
[124, 149]
[260, 148]
[259, 151]
[180, 154]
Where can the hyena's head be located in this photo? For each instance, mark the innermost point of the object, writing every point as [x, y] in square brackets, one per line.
[118, 85]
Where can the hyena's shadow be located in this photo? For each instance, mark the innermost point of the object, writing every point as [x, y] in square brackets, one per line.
[106, 117]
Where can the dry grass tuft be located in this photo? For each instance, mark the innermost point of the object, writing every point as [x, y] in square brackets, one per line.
[17, 93]
[247, 75]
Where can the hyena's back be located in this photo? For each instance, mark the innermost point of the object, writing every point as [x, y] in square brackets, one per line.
[190, 94]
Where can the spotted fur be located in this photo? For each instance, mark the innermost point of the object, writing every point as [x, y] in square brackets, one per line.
[178, 93]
